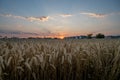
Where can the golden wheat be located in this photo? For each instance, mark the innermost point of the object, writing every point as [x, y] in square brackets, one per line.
[92, 59]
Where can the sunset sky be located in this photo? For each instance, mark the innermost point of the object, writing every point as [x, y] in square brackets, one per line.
[59, 18]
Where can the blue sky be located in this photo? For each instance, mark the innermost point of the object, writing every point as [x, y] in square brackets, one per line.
[58, 18]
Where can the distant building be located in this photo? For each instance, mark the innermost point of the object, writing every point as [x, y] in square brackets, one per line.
[76, 37]
[112, 37]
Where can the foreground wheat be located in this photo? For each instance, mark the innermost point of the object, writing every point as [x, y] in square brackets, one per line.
[59, 59]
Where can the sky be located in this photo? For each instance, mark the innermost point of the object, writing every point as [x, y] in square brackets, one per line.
[59, 18]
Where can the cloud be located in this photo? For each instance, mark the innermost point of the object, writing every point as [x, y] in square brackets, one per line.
[66, 15]
[43, 18]
[96, 15]
[16, 32]
[115, 13]
[19, 34]
[13, 16]
[40, 19]
[27, 34]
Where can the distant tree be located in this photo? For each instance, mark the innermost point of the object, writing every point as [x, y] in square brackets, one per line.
[14, 37]
[30, 37]
[89, 36]
[100, 35]
[5, 37]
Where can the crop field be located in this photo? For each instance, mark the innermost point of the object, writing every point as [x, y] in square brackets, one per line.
[39, 59]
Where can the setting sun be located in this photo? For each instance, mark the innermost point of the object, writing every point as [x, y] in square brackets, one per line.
[61, 37]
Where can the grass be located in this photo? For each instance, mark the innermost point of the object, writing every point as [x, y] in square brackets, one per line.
[32, 59]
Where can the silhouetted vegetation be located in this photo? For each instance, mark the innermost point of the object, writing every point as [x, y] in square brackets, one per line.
[89, 36]
[100, 35]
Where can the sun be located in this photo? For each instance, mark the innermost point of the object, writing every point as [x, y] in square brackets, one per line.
[61, 37]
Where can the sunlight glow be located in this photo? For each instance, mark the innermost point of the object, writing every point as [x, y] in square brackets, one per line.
[61, 37]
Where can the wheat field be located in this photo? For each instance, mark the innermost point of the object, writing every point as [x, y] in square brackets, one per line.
[39, 59]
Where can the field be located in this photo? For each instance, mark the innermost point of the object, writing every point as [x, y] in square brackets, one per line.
[34, 59]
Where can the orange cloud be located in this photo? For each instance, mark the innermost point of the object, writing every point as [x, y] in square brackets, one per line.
[94, 15]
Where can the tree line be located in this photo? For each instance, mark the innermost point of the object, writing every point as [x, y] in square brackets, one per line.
[99, 35]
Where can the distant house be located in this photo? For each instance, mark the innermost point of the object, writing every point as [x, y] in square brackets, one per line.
[112, 37]
[76, 37]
